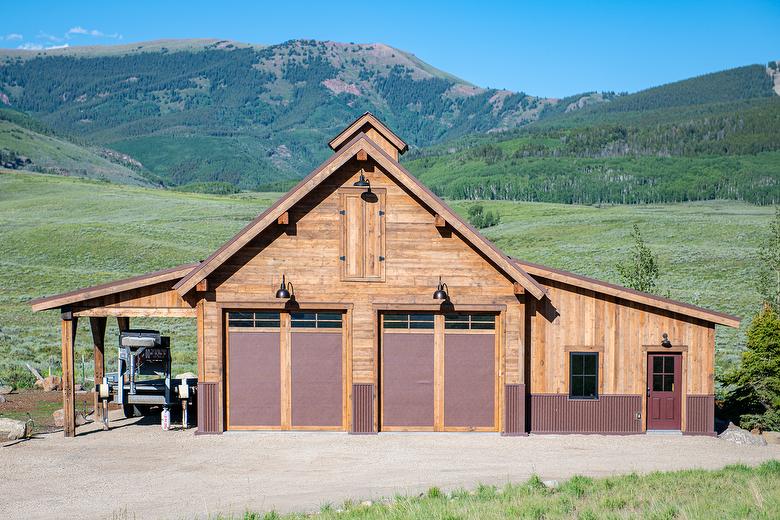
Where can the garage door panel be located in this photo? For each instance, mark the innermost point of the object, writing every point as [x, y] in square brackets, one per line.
[317, 385]
[469, 380]
[254, 379]
[407, 380]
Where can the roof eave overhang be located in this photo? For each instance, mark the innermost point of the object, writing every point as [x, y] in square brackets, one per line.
[99, 291]
[628, 294]
[354, 127]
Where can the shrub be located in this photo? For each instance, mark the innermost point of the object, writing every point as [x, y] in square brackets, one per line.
[16, 376]
[479, 218]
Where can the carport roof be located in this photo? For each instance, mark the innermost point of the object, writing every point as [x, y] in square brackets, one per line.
[97, 291]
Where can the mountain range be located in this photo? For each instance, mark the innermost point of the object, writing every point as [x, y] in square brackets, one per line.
[216, 113]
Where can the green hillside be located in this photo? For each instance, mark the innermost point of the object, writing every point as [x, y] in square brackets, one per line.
[686, 97]
[58, 234]
[700, 139]
[25, 143]
[200, 111]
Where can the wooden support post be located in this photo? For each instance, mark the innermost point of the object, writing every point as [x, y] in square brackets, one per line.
[68, 393]
[123, 323]
[519, 289]
[439, 221]
[98, 327]
[362, 155]
[203, 285]
[284, 218]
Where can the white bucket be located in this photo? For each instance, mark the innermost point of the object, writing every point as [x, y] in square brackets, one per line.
[165, 419]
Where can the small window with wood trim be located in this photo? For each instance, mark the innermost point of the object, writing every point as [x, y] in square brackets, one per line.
[254, 320]
[362, 251]
[315, 320]
[583, 375]
[408, 321]
[470, 321]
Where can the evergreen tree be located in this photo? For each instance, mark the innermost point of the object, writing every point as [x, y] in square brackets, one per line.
[755, 385]
[640, 270]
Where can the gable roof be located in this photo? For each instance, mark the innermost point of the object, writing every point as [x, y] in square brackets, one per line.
[96, 291]
[401, 175]
[625, 293]
[367, 119]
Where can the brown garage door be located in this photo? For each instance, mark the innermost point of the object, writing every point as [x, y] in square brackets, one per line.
[469, 372]
[274, 383]
[407, 398]
[438, 372]
[254, 375]
[317, 370]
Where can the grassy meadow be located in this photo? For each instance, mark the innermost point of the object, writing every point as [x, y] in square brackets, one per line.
[692, 494]
[59, 233]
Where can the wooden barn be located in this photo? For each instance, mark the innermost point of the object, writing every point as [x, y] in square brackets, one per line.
[360, 302]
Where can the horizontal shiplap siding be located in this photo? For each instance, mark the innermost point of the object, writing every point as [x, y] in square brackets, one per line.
[556, 413]
[700, 414]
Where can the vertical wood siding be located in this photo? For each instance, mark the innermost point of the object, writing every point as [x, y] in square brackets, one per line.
[514, 410]
[575, 317]
[608, 414]
[701, 415]
[208, 408]
[362, 408]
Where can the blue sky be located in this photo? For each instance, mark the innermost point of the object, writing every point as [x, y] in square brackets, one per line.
[543, 48]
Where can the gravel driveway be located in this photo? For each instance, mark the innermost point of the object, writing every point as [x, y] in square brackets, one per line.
[138, 471]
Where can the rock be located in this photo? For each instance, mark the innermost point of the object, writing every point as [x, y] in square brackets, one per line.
[771, 437]
[38, 383]
[737, 435]
[52, 383]
[59, 418]
[2, 398]
[552, 484]
[6, 389]
[14, 429]
[78, 388]
[366, 503]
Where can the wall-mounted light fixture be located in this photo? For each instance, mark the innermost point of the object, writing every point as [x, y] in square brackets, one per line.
[286, 290]
[362, 182]
[441, 291]
[665, 341]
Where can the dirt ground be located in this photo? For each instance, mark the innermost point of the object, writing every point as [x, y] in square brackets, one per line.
[39, 405]
[138, 471]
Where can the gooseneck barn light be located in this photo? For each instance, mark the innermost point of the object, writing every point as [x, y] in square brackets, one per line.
[362, 182]
[285, 291]
[665, 341]
[441, 291]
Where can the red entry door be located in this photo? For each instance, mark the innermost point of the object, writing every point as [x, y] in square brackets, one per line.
[664, 391]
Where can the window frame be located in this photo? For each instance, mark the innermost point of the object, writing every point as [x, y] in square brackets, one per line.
[595, 375]
[317, 322]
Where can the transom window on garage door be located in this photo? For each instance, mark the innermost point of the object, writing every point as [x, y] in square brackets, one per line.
[316, 320]
[470, 321]
[408, 321]
[250, 319]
